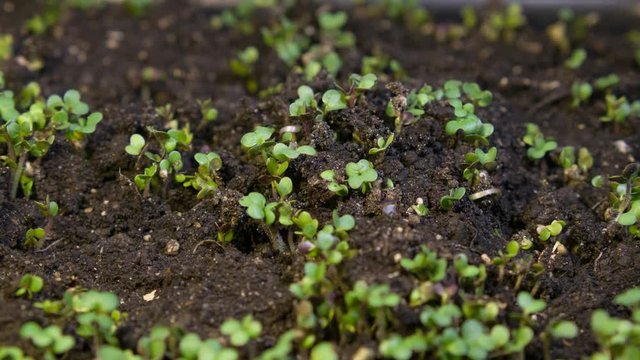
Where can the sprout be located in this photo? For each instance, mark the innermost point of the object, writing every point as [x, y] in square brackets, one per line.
[619, 109]
[29, 285]
[581, 92]
[243, 66]
[304, 102]
[482, 98]
[468, 122]
[34, 238]
[529, 305]
[333, 100]
[576, 59]
[49, 340]
[333, 185]
[382, 145]
[241, 332]
[504, 23]
[258, 208]
[476, 159]
[448, 201]
[208, 111]
[360, 175]
[6, 47]
[538, 144]
[426, 265]
[205, 180]
[136, 144]
[420, 208]
[606, 82]
[547, 231]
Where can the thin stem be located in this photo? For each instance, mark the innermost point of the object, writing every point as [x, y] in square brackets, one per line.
[18, 174]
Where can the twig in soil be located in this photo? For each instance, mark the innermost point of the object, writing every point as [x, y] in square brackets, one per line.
[49, 247]
[480, 194]
[595, 263]
[208, 241]
[548, 100]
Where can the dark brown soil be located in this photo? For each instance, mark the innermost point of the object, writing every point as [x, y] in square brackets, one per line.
[99, 235]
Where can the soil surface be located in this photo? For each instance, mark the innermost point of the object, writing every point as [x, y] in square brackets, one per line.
[100, 239]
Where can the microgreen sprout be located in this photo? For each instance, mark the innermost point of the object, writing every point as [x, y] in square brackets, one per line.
[29, 127]
[576, 59]
[304, 103]
[476, 160]
[208, 111]
[333, 185]
[575, 169]
[241, 332]
[29, 285]
[538, 144]
[504, 24]
[455, 195]
[237, 17]
[205, 180]
[426, 265]
[503, 258]
[382, 145]
[48, 209]
[420, 208]
[619, 109]
[360, 175]
[6, 47]
[606, 82]
[50, 340]
[289, 41]
[545, 232]
[467, 121]
[479, 97]
[243, 66]
[581, 92]
[34, 238]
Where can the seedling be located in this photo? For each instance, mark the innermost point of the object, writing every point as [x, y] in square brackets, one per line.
[576, 59]
[426, 265]
[575, 169]
[466, 120]
[358, 85]
[30, 127]
[333, 185]
[420, 208]
[476, 160]
[208, 111]
[276, 155]
[606, 82]
[382, 145]
[29, 285]
[503, 258]
[237, 17]
[289, 41]
[304, 103]
[308, 225]
[581, 92]
[192, 348]
[50, 340]
[538, 144]
[455, 195]
[34, 238]
[529, 304]
[545, 232]
[619, 109]
[48, 209]
[360, 175]
[243, 66]
[479, 97]
[504, 24]
[557, 329]
[6, 47]
[241, 332]
[206, 179]
[408, 109]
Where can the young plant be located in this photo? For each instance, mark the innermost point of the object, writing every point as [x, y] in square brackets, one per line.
[538, 144]
[241, 332]
[475, 161]
[205, 180]
[426, 265]
[545, 232]
[617, 337]
[503, 258]
[29, 285]
[275, 154]
[504, 24]
[576, 59]
[6, 47]
[575, 169]
[466, 120]
[48, 209]
[50, 340]
[420, 208]
[208, 111]
[581, 92]
[606, 82]
[360, 175]
[34, 238]
[382, 145]
[455, 195]
[305, 103]
[243, 66]
[333, 185]
[619, 109]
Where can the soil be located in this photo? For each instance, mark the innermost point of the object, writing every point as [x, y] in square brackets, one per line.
[100, 239]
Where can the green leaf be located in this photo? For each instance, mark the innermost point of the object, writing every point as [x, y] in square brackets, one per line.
[564, 330]
[324, 351]
[629, 298]
[530, 305]
[136, 143]
[333, 100]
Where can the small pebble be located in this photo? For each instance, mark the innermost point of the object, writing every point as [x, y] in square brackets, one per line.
[172, 247]
[88, 210]
[146, 238]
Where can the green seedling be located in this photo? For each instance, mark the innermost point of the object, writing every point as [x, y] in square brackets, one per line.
[545, 232]
[358, 84]
[503, 258]
[289, 41]
[619, 109]
[324, 351]
[581, 92]
[475, 161]
[206, 179]
[13, 353]
[576, 59]
[363, 300]
[402, 348]
[243, 66]
[241, 332]
[333, 185]
[479, 97]
[504, 24]
[606, 82]
[420, 208]
[108, 352]
[48, 209]
[538, 144]
[426, 265]
[529, 304]
[304, 103]
[466, 120]
[192, 348]
[469, 17]
[408, 109]
[625, 197]
[137, 8]
[29, 126]
[455, 195]
[208, 111]
[29, 285]
[360, 175]
[50, 340]
[6, 47]
[557, 329]
[276, 155]
[237, 18]
[575, 169]
[307, 225]
[97, 315]
[381, 65]
[382, 145]
[2, 81]
[34, 238]
[631, 216]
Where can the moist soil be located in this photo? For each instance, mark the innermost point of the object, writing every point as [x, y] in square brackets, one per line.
[109, 237]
